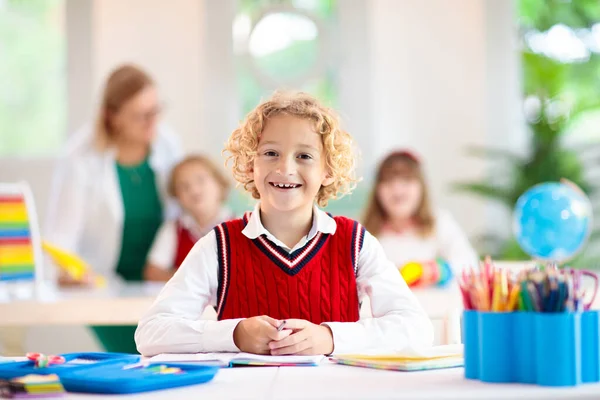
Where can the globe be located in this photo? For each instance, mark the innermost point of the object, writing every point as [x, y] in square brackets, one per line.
[552, 221]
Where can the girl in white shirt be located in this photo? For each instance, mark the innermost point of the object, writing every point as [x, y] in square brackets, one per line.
[412, 234]
[201, 190]
[287, 264]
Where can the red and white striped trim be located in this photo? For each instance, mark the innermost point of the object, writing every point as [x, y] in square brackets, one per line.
[225, 265]
[291, 263]
[356, 245]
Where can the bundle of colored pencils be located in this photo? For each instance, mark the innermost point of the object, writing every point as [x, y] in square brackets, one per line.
[489, 289]
[540, 289]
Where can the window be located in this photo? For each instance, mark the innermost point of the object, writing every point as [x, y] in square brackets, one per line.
[33, 75]
[284, 45]
[561, 42]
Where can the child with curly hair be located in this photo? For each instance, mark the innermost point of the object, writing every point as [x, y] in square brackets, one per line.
[287, 263]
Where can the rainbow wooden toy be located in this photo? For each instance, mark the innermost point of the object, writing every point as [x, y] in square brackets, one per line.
[20, 248]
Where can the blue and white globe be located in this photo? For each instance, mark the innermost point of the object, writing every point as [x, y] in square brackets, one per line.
[552, 221]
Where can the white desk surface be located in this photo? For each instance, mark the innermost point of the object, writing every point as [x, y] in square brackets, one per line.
[330, 381]
[119, 304]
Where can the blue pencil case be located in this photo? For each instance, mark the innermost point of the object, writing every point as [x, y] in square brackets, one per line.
[120, 378]
[73, 361]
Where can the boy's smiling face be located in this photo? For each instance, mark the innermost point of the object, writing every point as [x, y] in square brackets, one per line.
[289, 168]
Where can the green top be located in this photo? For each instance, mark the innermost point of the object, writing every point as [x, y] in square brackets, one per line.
[143, 217]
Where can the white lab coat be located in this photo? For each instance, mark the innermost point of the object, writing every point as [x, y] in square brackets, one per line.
[85, 213]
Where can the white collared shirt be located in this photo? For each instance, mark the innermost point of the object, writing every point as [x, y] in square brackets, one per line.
[173, 324]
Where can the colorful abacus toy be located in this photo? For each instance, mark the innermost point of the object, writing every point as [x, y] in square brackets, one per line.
[20, 247]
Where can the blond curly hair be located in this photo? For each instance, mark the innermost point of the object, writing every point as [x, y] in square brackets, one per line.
[338, 146]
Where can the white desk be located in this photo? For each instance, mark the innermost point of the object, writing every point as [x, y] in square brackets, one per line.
[330, 381]
[120, 304]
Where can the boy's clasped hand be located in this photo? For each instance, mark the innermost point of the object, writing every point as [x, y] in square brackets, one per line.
[259, 335]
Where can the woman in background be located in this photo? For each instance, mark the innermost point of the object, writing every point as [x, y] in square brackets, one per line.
[110, 188]
[400, 215]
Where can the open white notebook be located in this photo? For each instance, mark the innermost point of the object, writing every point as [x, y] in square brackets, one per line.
[227, 359]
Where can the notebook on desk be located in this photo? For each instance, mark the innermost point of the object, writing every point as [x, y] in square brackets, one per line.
[213, 359]
[279, 361]
[233, 359]
[436, 357]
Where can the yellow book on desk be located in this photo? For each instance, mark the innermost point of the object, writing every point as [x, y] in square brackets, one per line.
[436, 357]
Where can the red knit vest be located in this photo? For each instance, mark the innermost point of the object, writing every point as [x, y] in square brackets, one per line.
[185, 242]
[316, 283]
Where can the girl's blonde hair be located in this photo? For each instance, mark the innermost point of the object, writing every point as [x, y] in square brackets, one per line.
[207, 163]
[123, 84]
[402, 164]
[337, 143]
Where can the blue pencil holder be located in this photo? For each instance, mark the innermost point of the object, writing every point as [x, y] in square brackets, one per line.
[549, 349]
[523, 348]
[495, 363]
[558, 348]
[470, 338]
[590, 349]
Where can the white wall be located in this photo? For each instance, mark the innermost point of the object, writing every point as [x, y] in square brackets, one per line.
[428, 90]
[166, 38]
[505, 124]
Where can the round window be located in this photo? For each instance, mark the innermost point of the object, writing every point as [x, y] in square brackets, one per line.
[286, 47]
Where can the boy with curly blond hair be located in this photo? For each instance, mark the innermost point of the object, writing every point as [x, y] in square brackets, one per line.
[287, 278]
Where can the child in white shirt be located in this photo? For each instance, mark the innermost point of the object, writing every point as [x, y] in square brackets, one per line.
[201, 190]
[400, 215]
[287, 262]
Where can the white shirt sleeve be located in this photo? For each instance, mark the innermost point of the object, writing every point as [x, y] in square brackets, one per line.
[164, 247]
[398, 321]
[173, 324]
[453, 244]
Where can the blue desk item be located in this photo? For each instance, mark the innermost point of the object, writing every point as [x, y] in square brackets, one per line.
[523, 346]
[590, 348]
[470, 331]
[120, 378]
[73, 361]
[558, 348]
[547, 349]
[493, 357]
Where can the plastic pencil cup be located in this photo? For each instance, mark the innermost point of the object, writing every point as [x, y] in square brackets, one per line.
[470, 332]
[590, 350]
[523, 350]
[495, 346]
[558, 348]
